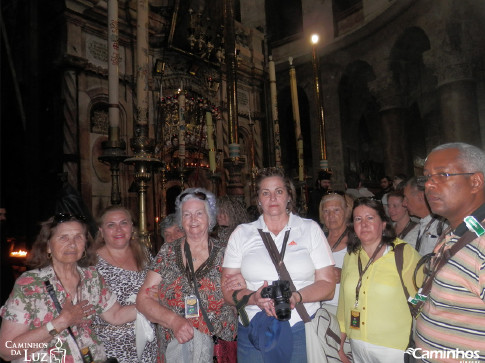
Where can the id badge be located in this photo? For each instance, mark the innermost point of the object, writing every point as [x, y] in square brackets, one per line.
[191, 306]
[355, 319]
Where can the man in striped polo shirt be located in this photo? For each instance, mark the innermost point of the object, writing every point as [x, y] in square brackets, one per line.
[451, 326]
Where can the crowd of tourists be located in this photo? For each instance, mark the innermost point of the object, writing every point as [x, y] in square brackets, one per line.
[399, 274]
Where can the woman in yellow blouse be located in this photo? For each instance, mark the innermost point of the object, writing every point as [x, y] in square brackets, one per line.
[372, 308]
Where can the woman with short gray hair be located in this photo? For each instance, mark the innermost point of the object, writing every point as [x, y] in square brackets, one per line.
[184, 271]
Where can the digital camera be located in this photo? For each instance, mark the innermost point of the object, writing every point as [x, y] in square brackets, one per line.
[280, 292]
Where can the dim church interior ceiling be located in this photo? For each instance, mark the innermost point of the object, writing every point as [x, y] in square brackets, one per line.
[209, 96]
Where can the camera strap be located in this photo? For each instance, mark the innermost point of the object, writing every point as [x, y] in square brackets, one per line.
[283, 273]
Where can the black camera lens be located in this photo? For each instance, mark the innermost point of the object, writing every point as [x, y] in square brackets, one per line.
[280, 292]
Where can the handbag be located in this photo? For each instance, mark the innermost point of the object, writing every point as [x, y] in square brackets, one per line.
[225, 351]
[323, 332]
[323, 337]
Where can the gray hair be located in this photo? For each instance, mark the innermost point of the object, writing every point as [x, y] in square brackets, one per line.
[167, 222]
[412, 183]
[345, 200]
[192, 193]
[471, 157]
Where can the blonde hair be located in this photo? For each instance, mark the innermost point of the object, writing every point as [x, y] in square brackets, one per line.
[141, 254]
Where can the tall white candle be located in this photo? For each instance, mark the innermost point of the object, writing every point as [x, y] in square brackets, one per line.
[274, 111]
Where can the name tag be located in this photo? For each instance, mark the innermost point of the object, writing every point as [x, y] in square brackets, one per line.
[191, 306]
[355, 319]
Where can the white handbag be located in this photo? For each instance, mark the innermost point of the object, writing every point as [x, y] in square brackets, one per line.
[323, 338]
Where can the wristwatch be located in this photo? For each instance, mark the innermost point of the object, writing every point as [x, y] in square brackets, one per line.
[50, 328]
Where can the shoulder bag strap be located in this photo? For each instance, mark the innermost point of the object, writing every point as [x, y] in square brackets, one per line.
[52, 293]
[281, 269]
[399, 257]
[442, 259]
[408, 229]
[446, 255]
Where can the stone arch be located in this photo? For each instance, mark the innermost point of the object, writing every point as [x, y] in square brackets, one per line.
[417, 89]
[406, 61]
[361, 136]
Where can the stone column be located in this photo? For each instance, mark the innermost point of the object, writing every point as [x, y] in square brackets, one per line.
[393, 116]
[457, 94]
[332, 74]
[114, 147]
[453, 55]
[70, 144]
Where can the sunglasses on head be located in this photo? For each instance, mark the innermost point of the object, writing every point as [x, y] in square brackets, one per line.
[338, 192]
[67, 217]
[363, 199]
[199, 195]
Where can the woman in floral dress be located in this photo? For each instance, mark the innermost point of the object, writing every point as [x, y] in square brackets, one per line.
[177, 323]
[60, 257]
[123, 263]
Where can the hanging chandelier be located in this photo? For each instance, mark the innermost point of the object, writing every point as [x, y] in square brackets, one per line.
[183, 131]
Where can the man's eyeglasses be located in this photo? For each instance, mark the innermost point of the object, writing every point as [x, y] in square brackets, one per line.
[199, 195]
[437, 178]
[67, 217]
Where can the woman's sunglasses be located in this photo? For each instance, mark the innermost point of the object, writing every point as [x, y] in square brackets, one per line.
[67, 217]
[199, 195]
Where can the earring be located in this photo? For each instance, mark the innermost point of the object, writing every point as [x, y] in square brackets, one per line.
[84, 254]
[49, 255]
[259, 203]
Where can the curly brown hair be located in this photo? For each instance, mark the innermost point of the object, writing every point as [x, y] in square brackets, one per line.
[38, 256]
[290, 187]
[234, 209]
[141, 254]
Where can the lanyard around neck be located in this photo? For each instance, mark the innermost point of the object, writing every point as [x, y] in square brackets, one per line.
[344, 233]
[362, 272]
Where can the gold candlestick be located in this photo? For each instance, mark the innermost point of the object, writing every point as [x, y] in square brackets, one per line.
[318, 101]
[296, 119]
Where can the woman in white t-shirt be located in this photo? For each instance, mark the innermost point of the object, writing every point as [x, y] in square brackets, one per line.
[307, 257]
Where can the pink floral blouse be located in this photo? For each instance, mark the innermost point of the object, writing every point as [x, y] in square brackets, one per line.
[30, 304]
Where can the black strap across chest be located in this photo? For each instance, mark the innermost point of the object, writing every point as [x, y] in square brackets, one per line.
[281, 268]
